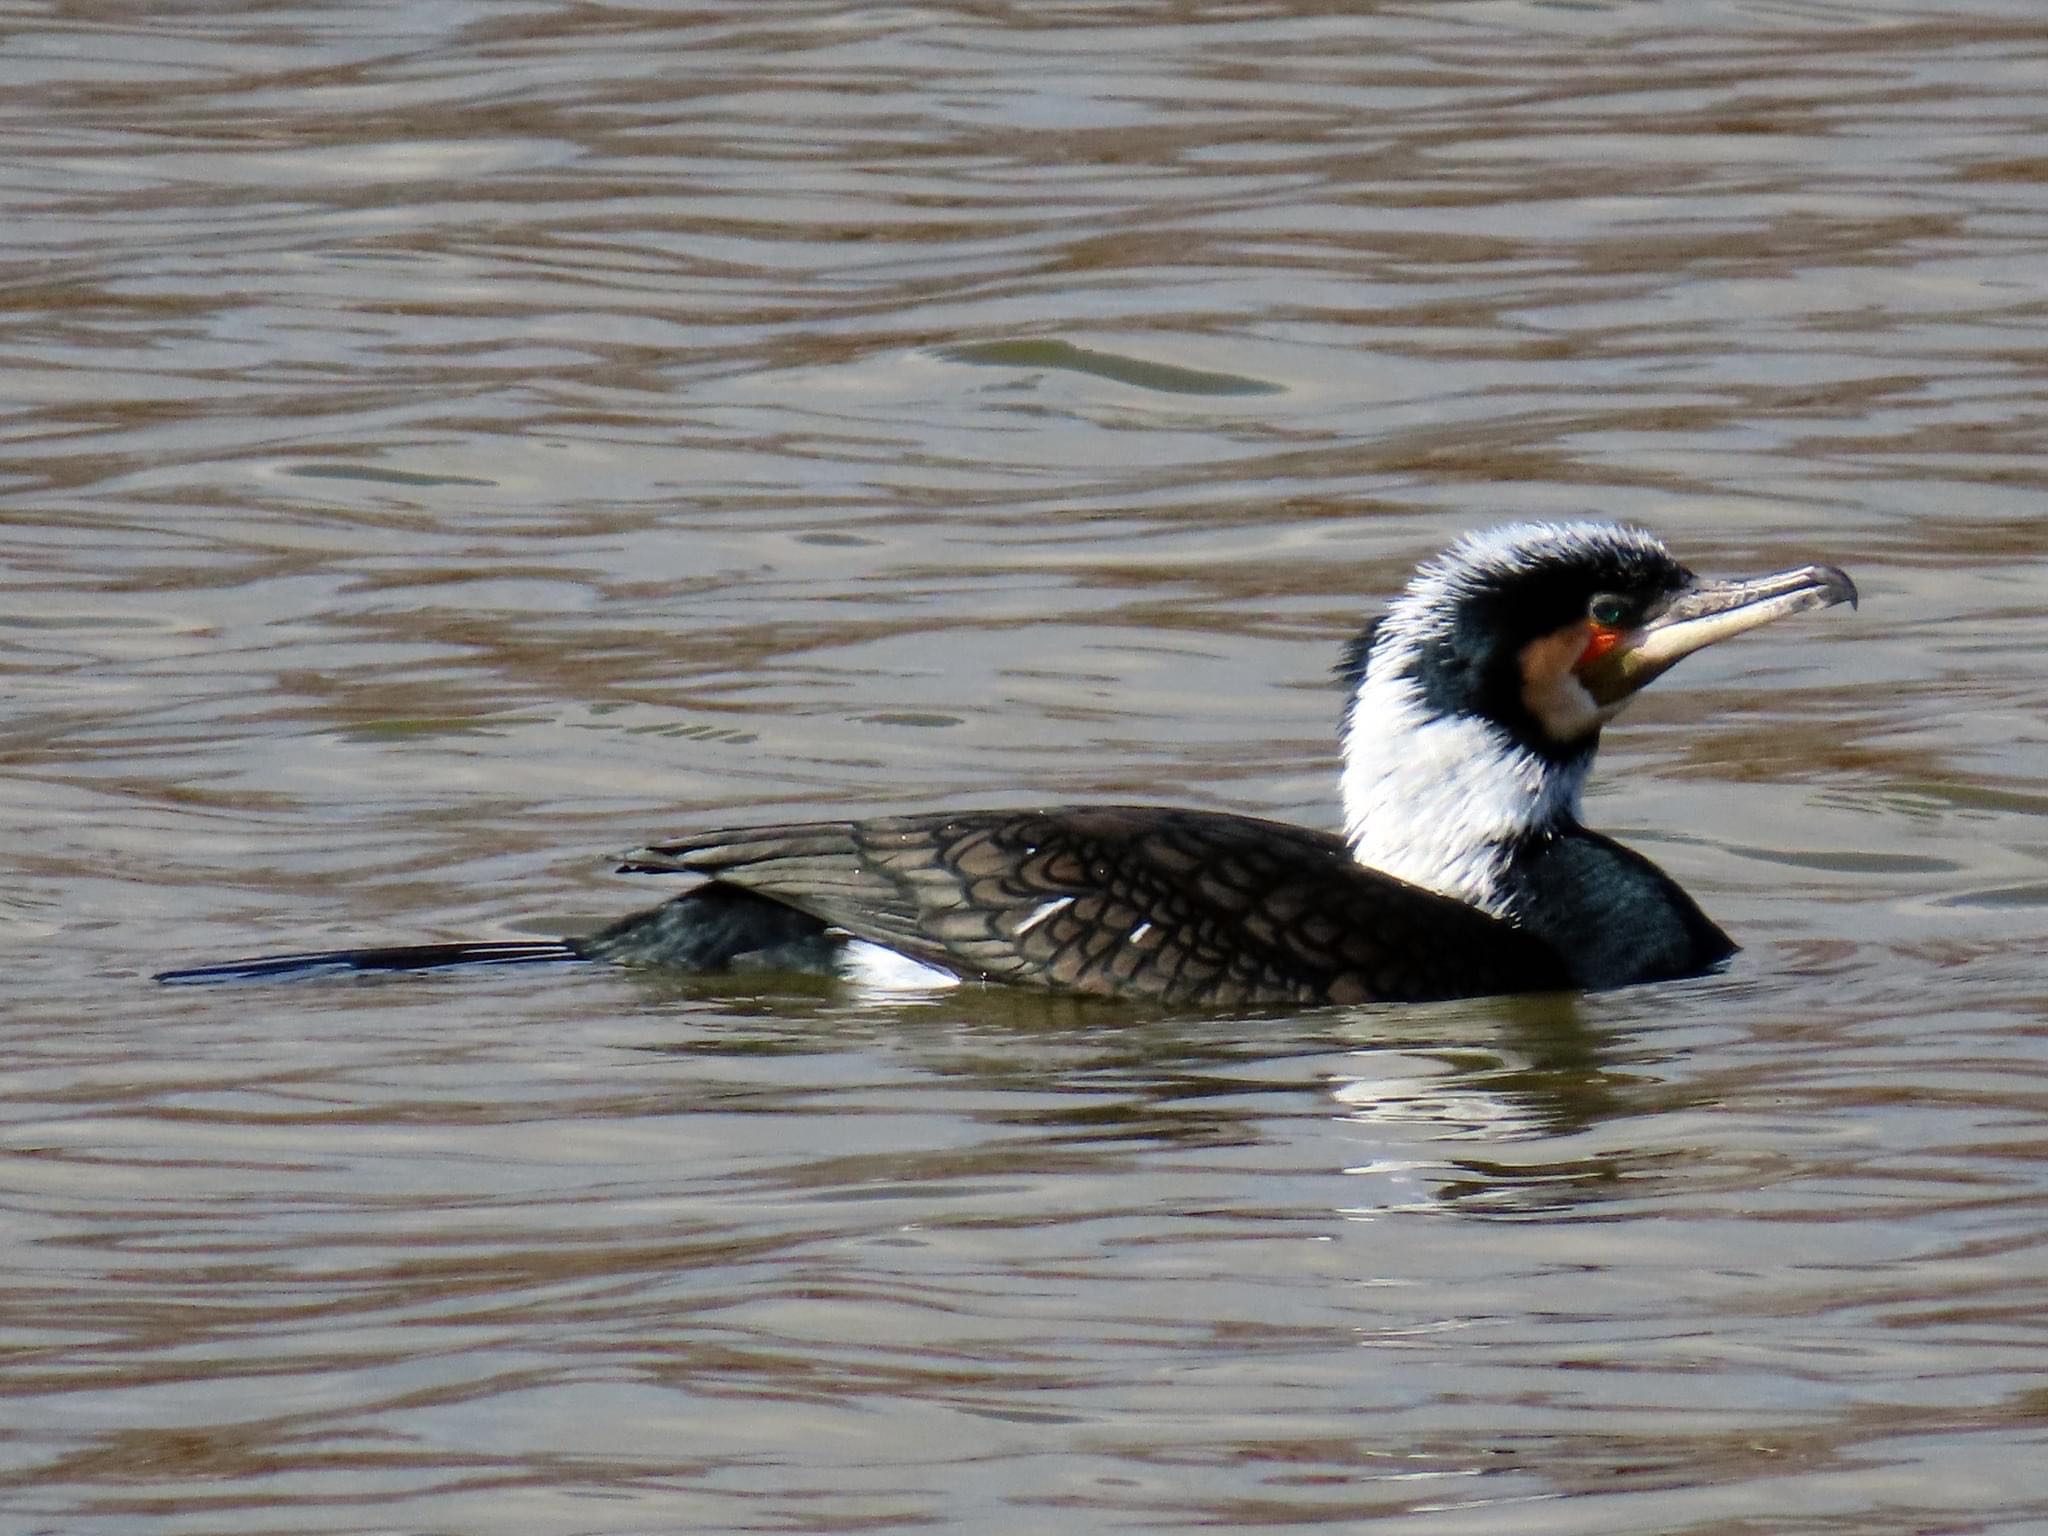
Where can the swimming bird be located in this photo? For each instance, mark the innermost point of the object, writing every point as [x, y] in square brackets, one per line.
[1473, 709]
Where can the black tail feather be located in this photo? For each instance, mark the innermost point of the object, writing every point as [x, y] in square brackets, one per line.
[401, 957]
[713, 928]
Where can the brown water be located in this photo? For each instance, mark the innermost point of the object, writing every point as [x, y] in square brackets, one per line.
[446, 444]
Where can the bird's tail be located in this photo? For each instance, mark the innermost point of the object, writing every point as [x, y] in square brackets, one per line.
[400, 957]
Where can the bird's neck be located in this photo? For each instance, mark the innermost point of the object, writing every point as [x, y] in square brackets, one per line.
[1446, 801]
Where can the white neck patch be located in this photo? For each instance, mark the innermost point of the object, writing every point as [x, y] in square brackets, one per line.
[1440, 800]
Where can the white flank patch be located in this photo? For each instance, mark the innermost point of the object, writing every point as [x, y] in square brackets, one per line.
[1040, 913]
[872, 968]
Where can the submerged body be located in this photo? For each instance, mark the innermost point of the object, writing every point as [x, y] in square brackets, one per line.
[1475, 708]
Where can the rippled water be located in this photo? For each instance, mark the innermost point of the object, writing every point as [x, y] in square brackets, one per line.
[447, 444]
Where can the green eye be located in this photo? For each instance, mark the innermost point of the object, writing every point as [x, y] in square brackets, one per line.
[1608, 610]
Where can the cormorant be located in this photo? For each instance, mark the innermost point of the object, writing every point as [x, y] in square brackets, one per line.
[1475, 705]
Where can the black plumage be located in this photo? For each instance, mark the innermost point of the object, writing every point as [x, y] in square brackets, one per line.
[1179, 905]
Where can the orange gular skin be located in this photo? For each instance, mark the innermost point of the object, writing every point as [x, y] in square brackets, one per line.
[1551, 688]
[1600, 639]
[1607, 665]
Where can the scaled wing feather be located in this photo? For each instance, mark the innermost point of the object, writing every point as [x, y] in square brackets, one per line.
[1177, 905]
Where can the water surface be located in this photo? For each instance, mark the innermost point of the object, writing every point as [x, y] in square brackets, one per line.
[446, 445]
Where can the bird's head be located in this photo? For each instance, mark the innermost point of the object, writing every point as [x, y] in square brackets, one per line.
[1545, 630]
[1476, 703]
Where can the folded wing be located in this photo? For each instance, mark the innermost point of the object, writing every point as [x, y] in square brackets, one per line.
[1177, 905]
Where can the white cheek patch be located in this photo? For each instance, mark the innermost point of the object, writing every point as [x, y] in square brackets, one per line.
[1565, 710]
[1552, 691]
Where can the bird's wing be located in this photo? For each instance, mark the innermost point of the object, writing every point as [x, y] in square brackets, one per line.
[1178, 905]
